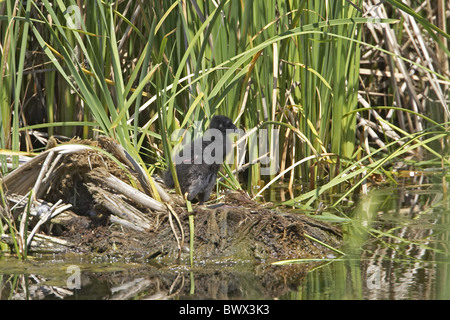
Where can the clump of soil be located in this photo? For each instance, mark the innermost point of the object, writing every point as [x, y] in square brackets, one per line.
[223, 234]
[110, 221]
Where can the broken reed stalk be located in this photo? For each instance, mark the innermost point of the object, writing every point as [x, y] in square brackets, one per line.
[40, 243]
[323, 244]
[50, 214]
[121, 187]
[180, 244]
[191, 232]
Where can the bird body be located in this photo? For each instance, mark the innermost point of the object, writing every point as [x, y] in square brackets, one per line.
[197, 173]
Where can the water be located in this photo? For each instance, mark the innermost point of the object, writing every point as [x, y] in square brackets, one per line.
[396, 246]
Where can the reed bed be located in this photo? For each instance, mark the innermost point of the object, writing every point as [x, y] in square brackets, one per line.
[343, 89]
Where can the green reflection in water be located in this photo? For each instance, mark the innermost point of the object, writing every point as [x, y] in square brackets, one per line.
[396, 245]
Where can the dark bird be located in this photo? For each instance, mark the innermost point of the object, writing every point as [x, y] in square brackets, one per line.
[197, 173]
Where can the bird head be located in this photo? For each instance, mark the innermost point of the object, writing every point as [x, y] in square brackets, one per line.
[222, 123]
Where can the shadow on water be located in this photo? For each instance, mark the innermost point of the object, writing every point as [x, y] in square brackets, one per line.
[396, 245]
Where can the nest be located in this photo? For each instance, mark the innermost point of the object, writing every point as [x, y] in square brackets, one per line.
[92, 197]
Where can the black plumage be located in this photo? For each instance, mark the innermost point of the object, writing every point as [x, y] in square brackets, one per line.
[197, 174]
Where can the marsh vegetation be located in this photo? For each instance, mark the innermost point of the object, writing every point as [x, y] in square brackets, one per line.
[335, 99]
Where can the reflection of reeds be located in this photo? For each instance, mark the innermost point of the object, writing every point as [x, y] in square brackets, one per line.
[396, 248]
[406, 241]
[137, 73]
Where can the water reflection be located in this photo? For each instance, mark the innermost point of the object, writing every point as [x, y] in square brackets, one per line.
[397, 247]
[245, 281]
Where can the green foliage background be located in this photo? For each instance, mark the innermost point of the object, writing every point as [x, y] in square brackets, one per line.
[135, 71]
